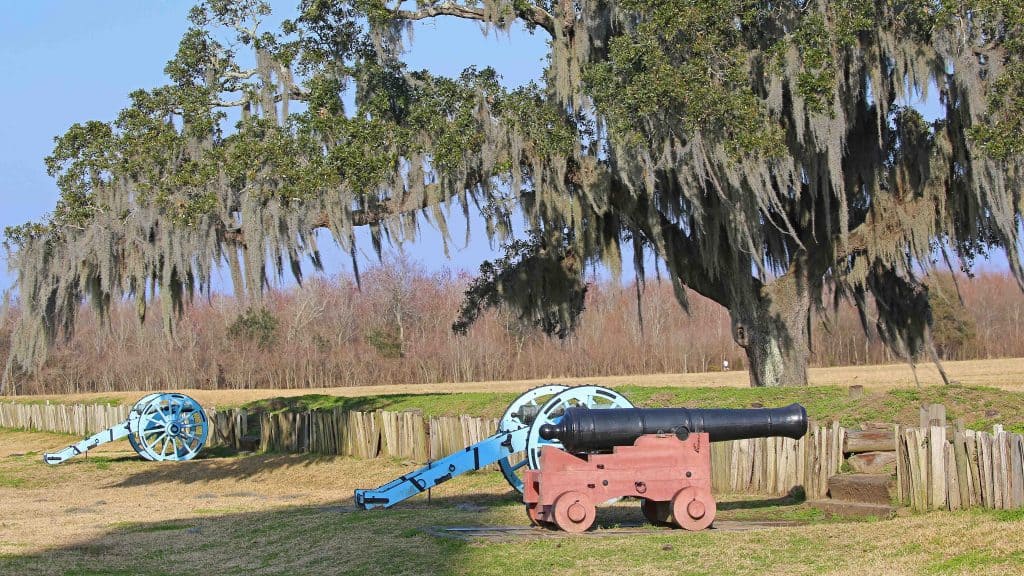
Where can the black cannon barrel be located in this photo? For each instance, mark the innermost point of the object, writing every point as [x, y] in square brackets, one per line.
[583, 429]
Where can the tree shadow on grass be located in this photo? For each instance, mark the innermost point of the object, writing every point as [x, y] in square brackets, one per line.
[219, 468]
[323, 539]
[795, 497]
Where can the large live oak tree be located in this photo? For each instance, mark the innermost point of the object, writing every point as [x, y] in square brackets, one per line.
[767, 152]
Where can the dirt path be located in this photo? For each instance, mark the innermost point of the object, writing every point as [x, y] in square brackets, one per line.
[1005, 373]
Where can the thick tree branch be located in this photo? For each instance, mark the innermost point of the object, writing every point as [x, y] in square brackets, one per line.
[296, 93]
[533, 14]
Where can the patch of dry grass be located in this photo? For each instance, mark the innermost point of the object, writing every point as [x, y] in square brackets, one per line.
[292, 515]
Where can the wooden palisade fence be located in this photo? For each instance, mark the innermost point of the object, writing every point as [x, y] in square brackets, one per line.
[937, 470]
[77, 419]
[936, 467]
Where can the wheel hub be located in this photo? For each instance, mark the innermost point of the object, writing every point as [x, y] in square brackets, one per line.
[576, 512]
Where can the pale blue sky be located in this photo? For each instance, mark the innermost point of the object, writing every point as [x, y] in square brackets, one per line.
[74, 61]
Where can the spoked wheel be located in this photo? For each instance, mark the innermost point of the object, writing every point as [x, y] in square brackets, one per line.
[168, 427]
[693, 509]
[133, 435]
[574, 512]
[655, 512]
[593, 397]
[520, 414]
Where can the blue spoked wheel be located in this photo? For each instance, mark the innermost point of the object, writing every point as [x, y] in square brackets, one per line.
[520, 414]
[168, 427]
[592, 397]
[133, 434]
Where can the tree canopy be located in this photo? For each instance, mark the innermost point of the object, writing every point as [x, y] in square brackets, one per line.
[768, 152]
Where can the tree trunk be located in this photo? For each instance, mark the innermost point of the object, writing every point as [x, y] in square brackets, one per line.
[775, 333]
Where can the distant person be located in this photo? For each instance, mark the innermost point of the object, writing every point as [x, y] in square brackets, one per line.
[725, 365]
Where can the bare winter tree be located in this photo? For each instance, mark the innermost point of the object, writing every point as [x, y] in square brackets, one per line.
[765, 151]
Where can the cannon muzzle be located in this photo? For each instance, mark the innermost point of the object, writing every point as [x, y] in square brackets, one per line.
[586, 430]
